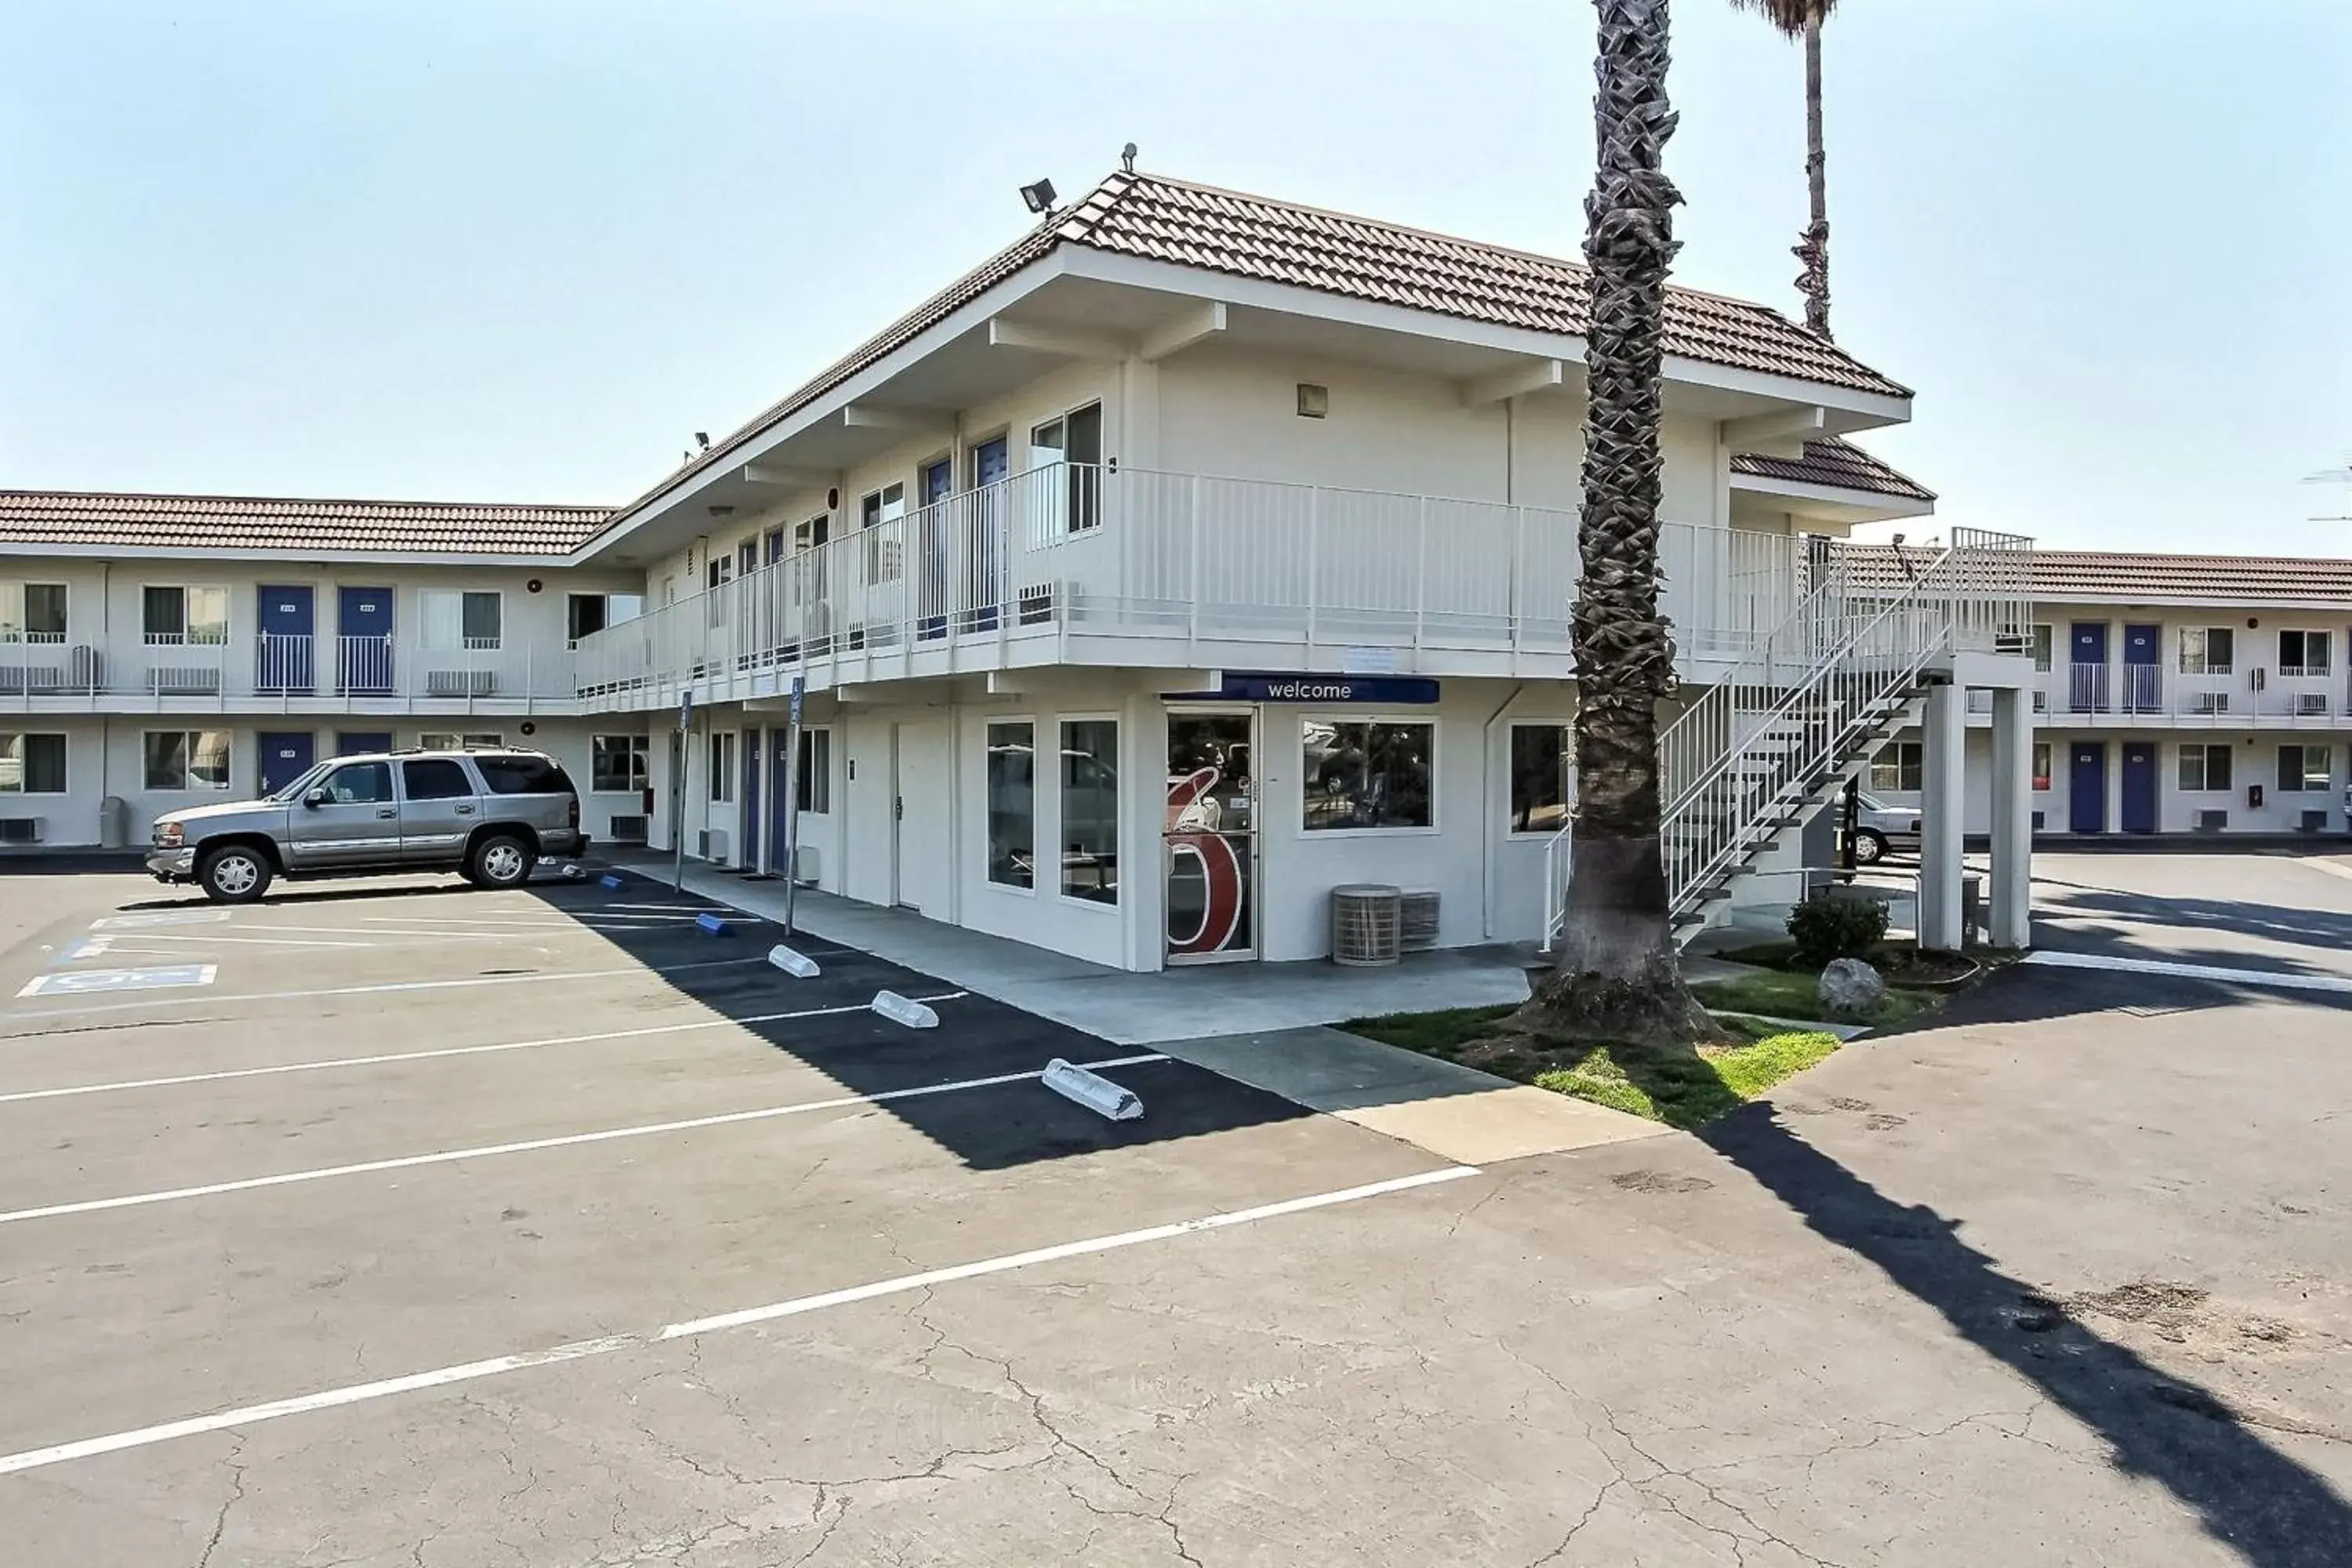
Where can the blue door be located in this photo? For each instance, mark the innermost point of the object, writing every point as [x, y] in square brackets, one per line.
[2086, 787]
[285, 627]
[2087, 657]
[990, 463]
[363, 641]
[2139, 787]
[352, 742]
[2143, 686]
[753, 818]
[284, 756]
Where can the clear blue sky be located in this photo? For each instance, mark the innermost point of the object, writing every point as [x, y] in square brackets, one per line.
[493, 249]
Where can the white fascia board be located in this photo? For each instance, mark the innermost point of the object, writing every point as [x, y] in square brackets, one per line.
[2236, 605]
[1849, 410]
[730, 458]
[291, 557]
[1889, 507]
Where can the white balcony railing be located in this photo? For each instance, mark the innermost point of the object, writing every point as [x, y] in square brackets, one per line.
[2148, 691]
[1196, 563]
[290, 668]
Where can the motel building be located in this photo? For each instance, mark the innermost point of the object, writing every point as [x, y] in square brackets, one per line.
[1195, 556]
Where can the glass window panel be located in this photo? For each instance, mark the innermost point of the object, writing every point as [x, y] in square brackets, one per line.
[481, 616]
[2041, 765]
[1368, 776]
[1012, 805]
[207, 615]
[32, 764]
[435, 778]
[1539, 795]
[441, 618]
[813, 791]
[1090, 809]
[359, 783]
[2041, 644]
[163, 613]
[167, 759]
[617, 764]
[722, 765]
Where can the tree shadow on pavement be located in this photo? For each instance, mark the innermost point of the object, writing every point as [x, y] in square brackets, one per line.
[2264, 1505]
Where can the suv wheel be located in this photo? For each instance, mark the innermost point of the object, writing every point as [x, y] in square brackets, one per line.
[500, 861]
[1869, 846]
[234, 874]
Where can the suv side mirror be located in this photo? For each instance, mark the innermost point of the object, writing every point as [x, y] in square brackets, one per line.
[316, 797]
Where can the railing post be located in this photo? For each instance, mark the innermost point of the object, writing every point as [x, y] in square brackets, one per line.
[1192, 569]
[1419, 574]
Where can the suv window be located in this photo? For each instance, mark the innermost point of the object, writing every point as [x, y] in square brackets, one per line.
[358, 784]
[523, 775]
[434, 780]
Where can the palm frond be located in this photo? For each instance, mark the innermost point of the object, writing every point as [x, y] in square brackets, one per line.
[1790, 16]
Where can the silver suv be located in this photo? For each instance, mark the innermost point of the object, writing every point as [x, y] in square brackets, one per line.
[488, 815]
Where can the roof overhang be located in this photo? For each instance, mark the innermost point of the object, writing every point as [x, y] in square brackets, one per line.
[413, 558]
[1830, 503]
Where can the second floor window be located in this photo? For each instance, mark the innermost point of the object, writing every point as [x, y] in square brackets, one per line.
[450, 618]
[2041, 644]
[2207, 650]
[881, 507]
[589, 613]
[182, 615]
[32, 612]
[1075, 438]
[2302, 652]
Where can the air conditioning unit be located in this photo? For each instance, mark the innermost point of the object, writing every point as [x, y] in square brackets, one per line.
[1417, 918]
[28, 829]
[31, 679]
[713, 845]
[185, 681]
[1037, 602]
[2311, 703]
[2038, 821]
[626, 829]
[2042, 702]
[2315, 821]
[807, 869]
[2212, 821]
[460, 682]
[2211, 702]
[1366, 919]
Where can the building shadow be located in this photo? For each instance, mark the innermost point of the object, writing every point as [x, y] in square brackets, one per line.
[827, 1023]
[2293, 925]
[2265, 1505]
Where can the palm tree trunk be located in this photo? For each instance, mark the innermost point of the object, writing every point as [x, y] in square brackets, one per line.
[1617, 978]
[1813, 248]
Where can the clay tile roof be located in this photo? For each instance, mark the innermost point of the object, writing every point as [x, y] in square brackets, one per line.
[1838, 464]
[69, 518]
[2060, 574]
[1254, 237]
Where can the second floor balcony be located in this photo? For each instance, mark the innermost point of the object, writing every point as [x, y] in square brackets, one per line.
[1099, 564]
[289, 672]
[2119, 694]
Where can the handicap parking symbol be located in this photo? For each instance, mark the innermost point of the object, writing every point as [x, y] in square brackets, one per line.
[162, 977]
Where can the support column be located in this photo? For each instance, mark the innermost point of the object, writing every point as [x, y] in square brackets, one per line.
[2011, 916]
[1943, 735]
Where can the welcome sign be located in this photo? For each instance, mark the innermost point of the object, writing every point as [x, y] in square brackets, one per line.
[1378, 690]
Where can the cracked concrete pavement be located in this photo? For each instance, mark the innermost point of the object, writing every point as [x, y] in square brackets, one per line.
[2054, 1281]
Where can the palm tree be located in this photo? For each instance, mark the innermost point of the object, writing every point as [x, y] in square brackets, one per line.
[1617, 978]
[1803, 19]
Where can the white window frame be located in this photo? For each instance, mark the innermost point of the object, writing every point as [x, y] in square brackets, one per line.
[2044, 646]
[2204, 659]
[987, 744]
[184, 636]
[188, 784]
[2303, 750]
[453, 741]
[2042, 763]
[1898, 787]
[723, 761]
[1074, 507]
[425, 638]
[22, 790]
[885, 557]
[14, 594]
[1119, 808]
[2326, 653]
[639, 751]
[1436, 774]
[2203, 752]
[819, 769]
[1567, 728]
[607, 596]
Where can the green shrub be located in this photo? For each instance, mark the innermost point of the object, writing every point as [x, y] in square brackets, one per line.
[1826, 929]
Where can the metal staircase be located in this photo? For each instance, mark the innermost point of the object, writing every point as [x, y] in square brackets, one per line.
[1760, 750]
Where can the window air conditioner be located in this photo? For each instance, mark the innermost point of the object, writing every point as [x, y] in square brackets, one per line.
[2315, 821]
[626, 830]
[2212, 821]
[2309, 703]
[28, 829]
[2213, 702]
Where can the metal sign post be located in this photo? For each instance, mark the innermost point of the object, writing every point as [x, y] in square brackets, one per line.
[789, 828]
[679, 775]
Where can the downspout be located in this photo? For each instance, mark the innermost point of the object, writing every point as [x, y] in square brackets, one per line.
[1487, 839]
[97, 679]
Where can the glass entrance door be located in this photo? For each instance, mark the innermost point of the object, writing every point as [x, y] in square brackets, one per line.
[1210, 840]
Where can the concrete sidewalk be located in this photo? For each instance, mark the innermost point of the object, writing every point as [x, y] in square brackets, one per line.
[1126, 1009]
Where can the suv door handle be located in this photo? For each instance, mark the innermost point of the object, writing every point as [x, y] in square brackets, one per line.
[389, 810]
[465, 811]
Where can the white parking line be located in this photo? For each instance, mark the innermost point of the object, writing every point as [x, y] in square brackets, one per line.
[531, 1145]
[2329, 866]
[76, 981]
[211, 999]
[321, 1065]
[580, 1350]
[2270, 978]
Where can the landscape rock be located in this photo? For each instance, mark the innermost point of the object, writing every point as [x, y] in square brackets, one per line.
[1849, 988]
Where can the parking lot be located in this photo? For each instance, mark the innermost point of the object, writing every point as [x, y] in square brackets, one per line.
[406, 1225]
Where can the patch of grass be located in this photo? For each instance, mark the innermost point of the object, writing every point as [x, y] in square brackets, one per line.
[1432, 1034]
[1789, 993]
[1686, 1088]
